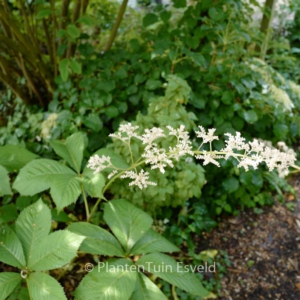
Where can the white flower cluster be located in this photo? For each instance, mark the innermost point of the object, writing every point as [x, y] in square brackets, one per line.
[248, 154]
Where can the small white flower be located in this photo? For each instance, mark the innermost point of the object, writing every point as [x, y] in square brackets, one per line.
[209, 157]
[113, 173]
[157, 158]
[140, 179]
[98, 164]
[151, 135]
[125, 132]
[207, 137]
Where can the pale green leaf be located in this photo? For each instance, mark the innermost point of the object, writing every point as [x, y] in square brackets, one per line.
[11, 251]
[97, 241]
[54, 251]
[8, 282]
[44, 13]
[4, 182]
[145, 289]
[73, 31]
[42, 286]
[93, 183]
[32, 225]
[127, 222]
[15, 157]
[75, 66]
[113, 280]
[71, 150]
[173, 272]
[64, 69]
[86, 20]
[65, 189]
[153, 242]
[36, 176]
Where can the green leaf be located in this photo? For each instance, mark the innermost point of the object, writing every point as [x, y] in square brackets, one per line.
[216, 14]
[152, 84]
[179, 3]
[44, 287]
[43, 13]
[93, 122]
[230, 184]
[8, 282]
[32, 225]
[36, 176]
[280, 130]
[65, 189]
[250, 116]
[64, 69]
[150, 19]
[173, 272]
[71, 150]
[73, 31]
[97, 241]
[127, 222]
[15, 157]
[153, 242]
[145, 289]
[93, 183]
[114, 280]
[86, 20]
[9, 212]
[75, 66]
[11, 251]
[228, 97]
[4, 182]
[54, 251]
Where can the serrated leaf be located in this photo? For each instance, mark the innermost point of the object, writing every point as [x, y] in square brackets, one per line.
[15, 157]
[171, 271]
[113, 281]
[44, 287]
[93, 183]
[8, 282]
[54, 251]
[93, 122]
[64, 69]
[11, 251]
[35, 177]
[32, 225]
[97, 241]
[145, 289]
[4, 182]
[71, 150]
[75, 66]
[127, 222]
[65, 189]
[153, 242]
[43, 13]
[73, 31]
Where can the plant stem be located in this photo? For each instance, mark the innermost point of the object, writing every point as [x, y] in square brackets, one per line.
[116, 26]
[85, 202]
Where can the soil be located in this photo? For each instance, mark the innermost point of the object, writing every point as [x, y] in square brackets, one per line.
[264, 252]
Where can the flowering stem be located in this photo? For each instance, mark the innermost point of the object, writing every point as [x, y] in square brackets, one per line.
[108, 185]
